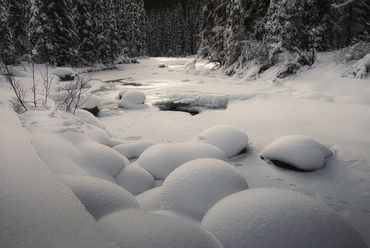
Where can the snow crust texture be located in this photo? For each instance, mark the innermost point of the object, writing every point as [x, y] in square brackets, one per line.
[300, 152]
[161, 159]
[142, 229]
[100, 197]
[193, 188]
[278, 218]
[231, 140]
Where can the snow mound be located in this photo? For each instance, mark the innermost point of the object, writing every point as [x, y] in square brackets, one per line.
[100, 197]
[193, 188]
[139, 229]
[65, 73]
[133, 100]
[149, 200]
[89, 118]
[261, 218]
[231, 140]
[102, 161]
[135, 179]
[360, 69]
[297, 152]
[161, 159]
[115, 142]
[91, 102]
[134, 150]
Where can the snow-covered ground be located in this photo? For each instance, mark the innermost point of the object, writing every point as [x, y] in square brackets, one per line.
[318, 103]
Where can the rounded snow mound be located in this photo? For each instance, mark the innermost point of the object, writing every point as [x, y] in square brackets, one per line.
[134, 150]
[65, 73]
[139, 229]
[231, 140]
[161, 159]
[91, 102]
[278, 218]
[193, 188]
[102, 161]
[89, 118]
[135, 179]
[100, 197]
[133, 100]
[149, 200]
[297, 152]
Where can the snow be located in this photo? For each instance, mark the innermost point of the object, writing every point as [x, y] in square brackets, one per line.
[193, 188]
[231, 140]
[89, 118]
[151, 230]
[161, 159]
[278, 218]
[360, 69]
[135, 179]
[149, 200]
[64, 72]
[91, 102]
[133, 100]
[100, 197]
[297, 151]
[134, 150]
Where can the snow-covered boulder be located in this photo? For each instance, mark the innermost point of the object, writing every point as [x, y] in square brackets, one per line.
[100, 197]
[102, 161]
[149, 200]
[91, 104]
[231, 140]
[135, 179]
[89, 118]
[134, 150]
[161, 159]
[297, 152]
[193, 188]
[65, 73]
[359, 70]
[133, 100]
[278, 218]
[162, 66]
[139, 229]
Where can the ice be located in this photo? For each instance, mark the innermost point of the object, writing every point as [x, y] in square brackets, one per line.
[149, 200]
[135, 179]
[300, 152]
[193, 188]
[102, 161]
[231, 140]
[161, 159]
[145, 230]
[278, 218]
[134, 150]
[100, 197]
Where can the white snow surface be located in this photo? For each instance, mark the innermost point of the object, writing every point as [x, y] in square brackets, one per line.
[133, 100]
[231, 140]
[135, 179]
[134, 150]
[298, 151]
[64, 71]
[91, 102]
[161, 159]
[100, 197]
[152, 230]
[149, 200]
[89, 118]
[193, 188]
[278, 218]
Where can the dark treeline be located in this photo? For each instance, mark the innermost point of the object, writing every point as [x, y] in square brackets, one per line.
[173, 26]
[73, 32]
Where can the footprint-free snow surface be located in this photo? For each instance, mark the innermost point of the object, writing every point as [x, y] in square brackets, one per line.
[129, 151]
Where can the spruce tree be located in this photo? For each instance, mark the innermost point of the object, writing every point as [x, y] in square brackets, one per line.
[7, 48]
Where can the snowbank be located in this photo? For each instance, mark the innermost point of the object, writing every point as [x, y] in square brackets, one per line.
[278, 218]
[135, 179]
[133, 100]
[196, 186]
[100, 197]
[359, 70]
[36, 210]
[143, 230]
[134, 150]
[89, 118]
[161, 159]
[149, 200]
[231, 140]
[296, 151]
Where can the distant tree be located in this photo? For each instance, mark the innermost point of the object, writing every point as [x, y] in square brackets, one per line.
[7, 48]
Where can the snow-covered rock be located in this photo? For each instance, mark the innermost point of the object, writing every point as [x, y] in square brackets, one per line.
[296, 151]
[359, 70]
[100, 197]
[89, 118]
[161, 159]
[278, 218]
[135, 179]
[193, 188]
[91, 102]
[139, 229]
[102, 161]
[149, 200]
[134, 150]
[231, 140]
[64, 73]
[133, 100]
